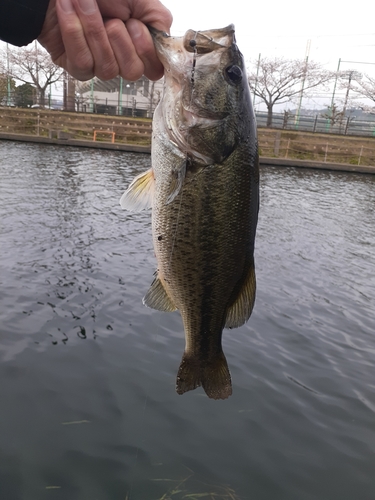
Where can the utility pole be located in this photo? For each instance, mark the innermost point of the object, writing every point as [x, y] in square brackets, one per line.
[92, 95]
[350, 76]
[65, 91]
[120, 97]
[256, 81]
[37, 71]
[296, 121]
[8, 78]
[329, 120]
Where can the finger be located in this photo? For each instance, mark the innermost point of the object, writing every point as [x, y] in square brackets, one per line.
[87, 48]
[105, 64]
[77, 59]
[145, 48]
[50, 36]
[151, 12]
[130, 64]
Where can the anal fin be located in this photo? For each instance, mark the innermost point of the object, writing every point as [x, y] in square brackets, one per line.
[241, 308]
[157, 297]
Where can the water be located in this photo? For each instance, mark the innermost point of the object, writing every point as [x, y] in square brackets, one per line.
[88, 408]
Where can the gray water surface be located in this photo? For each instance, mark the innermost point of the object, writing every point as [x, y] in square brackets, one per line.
[88, 408]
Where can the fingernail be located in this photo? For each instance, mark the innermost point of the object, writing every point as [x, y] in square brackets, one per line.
[87, 6]
[134, 28]
[66, 6]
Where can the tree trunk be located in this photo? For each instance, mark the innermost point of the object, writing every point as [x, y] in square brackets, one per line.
[42, 96]
[269, 115]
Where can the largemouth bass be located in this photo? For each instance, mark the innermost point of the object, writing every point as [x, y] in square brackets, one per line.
[203, 189]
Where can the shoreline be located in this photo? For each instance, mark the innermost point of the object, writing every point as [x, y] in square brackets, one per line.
[264, 161]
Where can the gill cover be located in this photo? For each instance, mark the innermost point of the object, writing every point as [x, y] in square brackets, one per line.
[203, 92]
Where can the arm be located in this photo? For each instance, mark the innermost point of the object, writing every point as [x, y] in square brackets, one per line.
[102, 38]
[105, 38]
[21, 21]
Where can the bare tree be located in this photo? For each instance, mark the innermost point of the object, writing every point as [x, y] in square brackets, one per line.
[33, 65]
[153, 97]
[347, 80]
[278, 80]
[365, 87]
[80, 99]
[334, 114]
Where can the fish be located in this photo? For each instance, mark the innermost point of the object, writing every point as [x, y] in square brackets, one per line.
[203, 191]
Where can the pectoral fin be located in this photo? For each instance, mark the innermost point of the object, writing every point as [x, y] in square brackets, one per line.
[177, 179]
[140, 193]
[240, 310]
[157, 297]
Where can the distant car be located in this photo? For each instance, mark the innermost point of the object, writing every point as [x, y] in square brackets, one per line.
[36, 106]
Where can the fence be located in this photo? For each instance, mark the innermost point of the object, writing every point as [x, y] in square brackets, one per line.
[82, 126]
[138, 106]
[275, 143]
[318, 124]
[316, 147]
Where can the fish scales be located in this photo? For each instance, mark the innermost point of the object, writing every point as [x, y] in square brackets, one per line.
[204, 193]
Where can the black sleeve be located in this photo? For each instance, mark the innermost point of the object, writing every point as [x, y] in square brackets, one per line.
[21, 21]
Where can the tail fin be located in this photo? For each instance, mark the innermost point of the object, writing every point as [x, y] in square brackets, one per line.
[212, 375]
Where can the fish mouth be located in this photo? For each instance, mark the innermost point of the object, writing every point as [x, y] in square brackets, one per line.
[206, 41]
[193, 42]
[201, 41]
[202, 117]
[191, 108]
[179, 56]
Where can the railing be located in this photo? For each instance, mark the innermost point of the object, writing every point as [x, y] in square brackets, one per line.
[284, 142]
[318, 124]
[348, 125]
[316, 147]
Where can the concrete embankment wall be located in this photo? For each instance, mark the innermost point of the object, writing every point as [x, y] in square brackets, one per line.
[264, 161]
[287, 148]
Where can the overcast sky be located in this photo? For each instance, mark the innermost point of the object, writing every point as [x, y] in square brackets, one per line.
[287, 28]
[325, 30]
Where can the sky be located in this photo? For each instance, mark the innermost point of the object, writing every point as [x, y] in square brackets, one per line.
[324, 30]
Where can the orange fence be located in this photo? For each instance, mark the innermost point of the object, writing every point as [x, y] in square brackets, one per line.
[104, 132]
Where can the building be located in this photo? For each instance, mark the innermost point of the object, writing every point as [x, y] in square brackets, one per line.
[119, 96]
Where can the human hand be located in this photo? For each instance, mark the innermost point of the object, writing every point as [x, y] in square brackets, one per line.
[105, 38]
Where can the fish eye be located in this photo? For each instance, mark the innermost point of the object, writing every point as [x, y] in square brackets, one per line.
[234, 73]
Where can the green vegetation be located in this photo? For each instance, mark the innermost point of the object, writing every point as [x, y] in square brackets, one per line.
[24, 95]
[190, 489]
[4, 83]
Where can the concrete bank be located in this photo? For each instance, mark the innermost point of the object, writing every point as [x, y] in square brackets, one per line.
[264, 161]
[74, 142]
[340, 167]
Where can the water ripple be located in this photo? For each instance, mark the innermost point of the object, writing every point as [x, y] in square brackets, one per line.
[77, 345]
